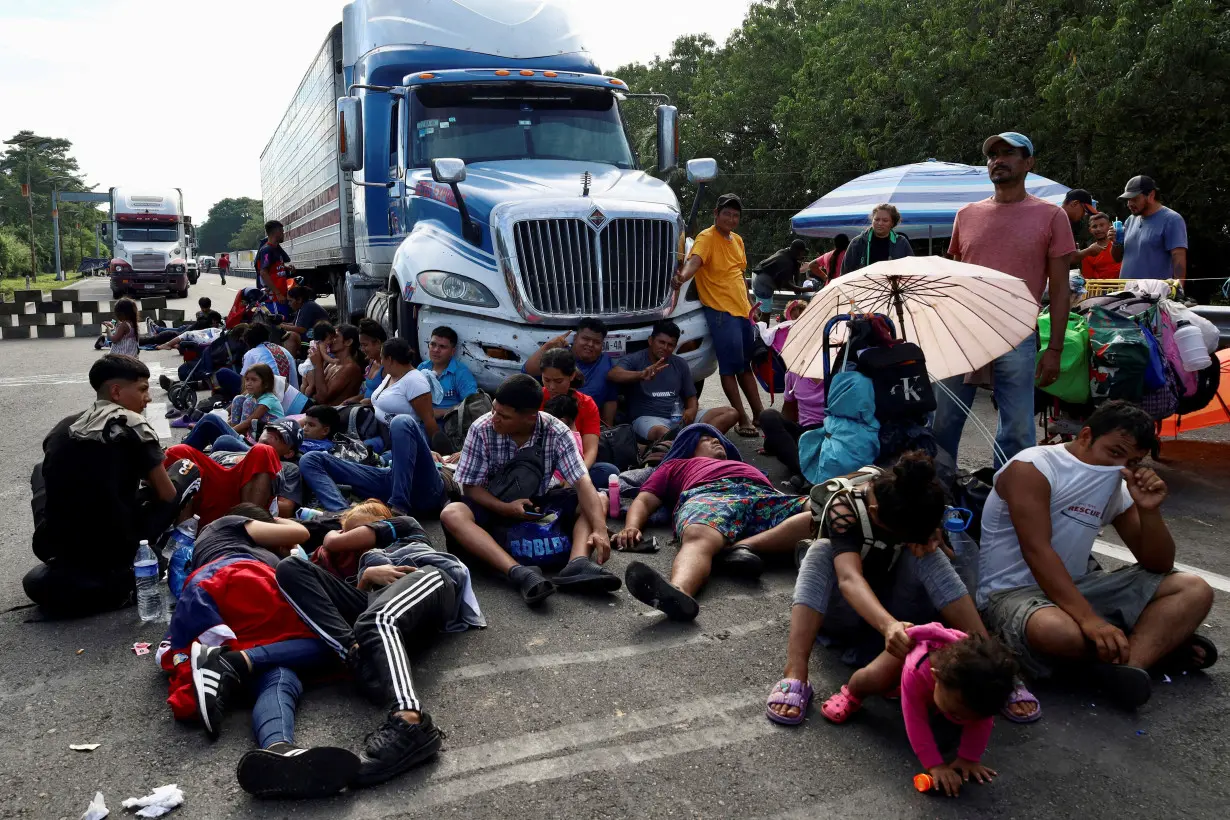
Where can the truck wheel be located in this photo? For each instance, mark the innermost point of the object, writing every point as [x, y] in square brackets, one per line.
[181, 294]
[117, 294]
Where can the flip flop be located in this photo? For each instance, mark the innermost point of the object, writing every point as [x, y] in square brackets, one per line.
[585, 576]
[648, 587]
[1128, 686]
[790, 692]
[747, 431]
[533, 585]
[739, 561]
[1181, 660]
[1022, 695]
[841, 706]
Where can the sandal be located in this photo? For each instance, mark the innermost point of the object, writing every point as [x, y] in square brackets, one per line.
[1022, 695]
[585, 576]
[533, 585]
[1181, 661]
[841, 706]
[739, 561]
[647, 586]
[1128, 686]
[747, 431]
[790, 692]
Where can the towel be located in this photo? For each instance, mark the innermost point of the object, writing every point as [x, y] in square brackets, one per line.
[98, 422]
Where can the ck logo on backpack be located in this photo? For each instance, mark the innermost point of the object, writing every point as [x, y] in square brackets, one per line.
[908, 389]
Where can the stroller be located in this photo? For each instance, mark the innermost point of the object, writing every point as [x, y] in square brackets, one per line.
[218, 354]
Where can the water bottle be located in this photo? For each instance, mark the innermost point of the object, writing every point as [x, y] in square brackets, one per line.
[1118, 226]
[612, 495]
[180, 545]
[308, 513]
[151, 598]
[677, 412]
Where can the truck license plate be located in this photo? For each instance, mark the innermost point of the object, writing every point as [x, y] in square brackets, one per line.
[615, 345]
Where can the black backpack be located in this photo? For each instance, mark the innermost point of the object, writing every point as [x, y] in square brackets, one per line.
[899, 377]
[617, 445]
[360, 421]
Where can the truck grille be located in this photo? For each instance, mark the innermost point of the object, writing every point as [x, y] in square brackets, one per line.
[568, 269]
[149, 261]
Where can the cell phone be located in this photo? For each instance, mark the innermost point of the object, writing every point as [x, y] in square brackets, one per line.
[534, 515]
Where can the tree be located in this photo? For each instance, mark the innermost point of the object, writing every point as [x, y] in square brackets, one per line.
[225, 219]
[250, 235]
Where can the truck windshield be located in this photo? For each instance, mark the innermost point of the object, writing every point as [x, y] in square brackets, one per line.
[146, 234]
[480, 123]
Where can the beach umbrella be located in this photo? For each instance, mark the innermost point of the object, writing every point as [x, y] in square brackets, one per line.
[928, 195]
[962, 316]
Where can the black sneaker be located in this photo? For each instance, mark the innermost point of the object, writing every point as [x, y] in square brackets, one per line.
[216, 683]
[286, 771]
[99, 342]
[164, 381]
[395, 748]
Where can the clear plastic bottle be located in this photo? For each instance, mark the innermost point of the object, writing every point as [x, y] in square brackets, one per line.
[151, 594]
[180, 547]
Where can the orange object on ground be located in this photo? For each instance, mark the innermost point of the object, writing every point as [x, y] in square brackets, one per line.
[1215, 412]
[924, 782]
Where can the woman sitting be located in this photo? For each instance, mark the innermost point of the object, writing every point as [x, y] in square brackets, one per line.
[334, 381]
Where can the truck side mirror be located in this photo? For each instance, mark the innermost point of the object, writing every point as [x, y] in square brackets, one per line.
[668, 137]
[350, 133]
[448, 171]
[702, 170]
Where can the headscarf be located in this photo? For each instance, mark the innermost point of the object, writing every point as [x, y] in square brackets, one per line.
[685, 443]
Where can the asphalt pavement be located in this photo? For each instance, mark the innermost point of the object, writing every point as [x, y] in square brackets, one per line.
[588, 707]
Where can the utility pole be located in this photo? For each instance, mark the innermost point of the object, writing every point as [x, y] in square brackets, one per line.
[55, 220]
[30, 202]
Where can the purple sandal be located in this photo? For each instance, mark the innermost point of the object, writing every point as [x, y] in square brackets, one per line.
[1022, 695]
[789, 692]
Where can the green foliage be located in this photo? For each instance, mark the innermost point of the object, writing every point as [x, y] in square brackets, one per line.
[14, 254]
[227, 218]
[808, 94]
[250, 235]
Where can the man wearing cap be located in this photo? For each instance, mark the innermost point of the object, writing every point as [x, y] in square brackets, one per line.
[778, 272]
[717, 263]
[1019, 234]
[1154, 242]
[1078, 204]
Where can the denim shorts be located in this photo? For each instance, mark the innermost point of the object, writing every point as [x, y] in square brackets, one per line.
[732, 338]
[642, 425]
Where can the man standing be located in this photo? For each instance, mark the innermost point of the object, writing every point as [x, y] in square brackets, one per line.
[1078, 204]
[1097, 260]
[273, 264]
[1154, 244]
[1021, 235]
[593, 364]
[224, 265]
[717, 263]
[777, 272]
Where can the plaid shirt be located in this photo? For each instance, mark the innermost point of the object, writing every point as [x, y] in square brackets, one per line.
[485, 451]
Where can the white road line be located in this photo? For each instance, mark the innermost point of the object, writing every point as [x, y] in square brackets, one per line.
[527, 662]
[45, 379]
[1119, 553]
[156, 414]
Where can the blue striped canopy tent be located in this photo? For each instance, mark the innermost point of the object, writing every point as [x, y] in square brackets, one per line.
[928, 195]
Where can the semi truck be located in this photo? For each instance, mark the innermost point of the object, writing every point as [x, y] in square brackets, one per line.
[466, 163]
[149, 242]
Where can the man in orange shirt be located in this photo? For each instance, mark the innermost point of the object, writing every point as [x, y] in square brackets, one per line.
[717, 263]
[1097, 260]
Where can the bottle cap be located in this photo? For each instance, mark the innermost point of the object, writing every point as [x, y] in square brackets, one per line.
[923, 782]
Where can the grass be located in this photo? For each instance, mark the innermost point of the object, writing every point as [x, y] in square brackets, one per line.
[44, 281]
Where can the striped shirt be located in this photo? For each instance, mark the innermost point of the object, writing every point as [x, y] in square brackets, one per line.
[486, 451]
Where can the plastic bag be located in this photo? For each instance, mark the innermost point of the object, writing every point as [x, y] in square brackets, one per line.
[1073, 382]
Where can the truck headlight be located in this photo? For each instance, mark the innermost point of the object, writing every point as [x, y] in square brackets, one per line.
[453, 288]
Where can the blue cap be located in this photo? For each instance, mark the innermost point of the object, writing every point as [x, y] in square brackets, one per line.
[1014, 138]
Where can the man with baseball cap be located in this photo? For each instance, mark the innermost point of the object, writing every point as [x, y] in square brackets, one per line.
[1019, 234]
[717, 262]
[1154, 242]
[780, 271]
[1078, 204]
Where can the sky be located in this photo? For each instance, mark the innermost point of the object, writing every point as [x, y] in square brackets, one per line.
[186, 94]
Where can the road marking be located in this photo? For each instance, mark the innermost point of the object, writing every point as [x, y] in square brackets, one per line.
[1119, 553]
[156, 415]
[155, 370]
[527, 662]
[576, 735]
[602, 759]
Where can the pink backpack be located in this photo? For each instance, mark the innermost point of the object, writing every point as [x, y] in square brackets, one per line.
[1170, 349]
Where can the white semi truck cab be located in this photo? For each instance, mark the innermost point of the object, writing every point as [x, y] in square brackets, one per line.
[149, 238]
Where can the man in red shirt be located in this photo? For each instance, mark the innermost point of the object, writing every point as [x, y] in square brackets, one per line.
[1024, 236]
[1098, 260]
[273, 264]
[224, 264]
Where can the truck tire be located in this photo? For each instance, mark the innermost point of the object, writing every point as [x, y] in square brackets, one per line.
[117, 294]
[337, 283]
[180, 294]
[377, 310]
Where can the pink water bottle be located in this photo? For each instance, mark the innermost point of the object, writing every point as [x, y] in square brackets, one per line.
[612, 495]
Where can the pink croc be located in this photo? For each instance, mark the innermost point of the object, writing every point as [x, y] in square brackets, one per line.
[841, 706]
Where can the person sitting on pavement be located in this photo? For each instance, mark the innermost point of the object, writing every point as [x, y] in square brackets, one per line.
[455, 378]
[966, 678]
[320, 424]
[803, 409]
[505, 470]
[285, 436]
[206, 319]
[726, 512]
[1036, 588]
[880, 547]
[90, 512]
[878, 243]
[371, 340]
[412, 482]
[120, 335]
[235, 558]
[332, 382]
[593, 364]
[406, 591]
[307, 313]
[661, 393]
[250, 480]
[197, 338]
[257, 405]
[260, 351]
[780, 271]
[558, 369]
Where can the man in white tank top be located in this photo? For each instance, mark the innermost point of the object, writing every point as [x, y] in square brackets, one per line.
[1036, 588]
